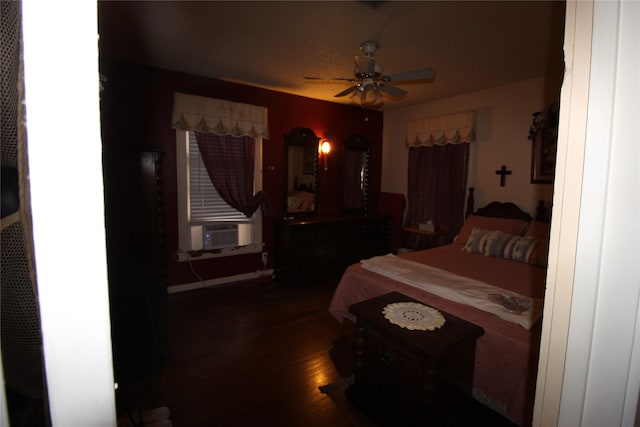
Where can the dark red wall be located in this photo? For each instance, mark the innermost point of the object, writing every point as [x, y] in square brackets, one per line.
[136, 111]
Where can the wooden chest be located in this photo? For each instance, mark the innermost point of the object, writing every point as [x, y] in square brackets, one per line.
[410, 377]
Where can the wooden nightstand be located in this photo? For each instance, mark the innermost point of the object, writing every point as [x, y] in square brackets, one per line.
[405, 377]
[430, 239]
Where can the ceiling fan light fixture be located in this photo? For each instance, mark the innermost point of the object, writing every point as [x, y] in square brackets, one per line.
[356, 96]
[371, 97]
[370, 84]
[366, 94]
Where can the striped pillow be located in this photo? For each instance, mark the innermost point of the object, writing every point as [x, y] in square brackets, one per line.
[480, 240]
[506, 225]
[512, 247]
[502, 245]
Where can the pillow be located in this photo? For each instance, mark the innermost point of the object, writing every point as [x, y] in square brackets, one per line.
[294, 202]
[479, 240]
[506, 225]
[307, 200]
[540, 254]
[508, 246]
[538, 229]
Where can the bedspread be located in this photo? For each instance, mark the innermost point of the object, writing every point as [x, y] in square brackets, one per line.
[506, 355]
[464, 290]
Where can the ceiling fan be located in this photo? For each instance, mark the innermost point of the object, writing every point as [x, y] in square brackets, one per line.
[370, 82]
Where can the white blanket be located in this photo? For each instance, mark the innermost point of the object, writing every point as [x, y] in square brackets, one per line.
[458, 288]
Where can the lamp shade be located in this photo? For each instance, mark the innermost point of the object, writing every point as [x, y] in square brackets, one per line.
[325, 147]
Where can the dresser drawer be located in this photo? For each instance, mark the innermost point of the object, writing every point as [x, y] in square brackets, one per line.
[317, 248]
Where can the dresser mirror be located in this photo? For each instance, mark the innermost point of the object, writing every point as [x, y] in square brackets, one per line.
[301, 179]
[355, 174]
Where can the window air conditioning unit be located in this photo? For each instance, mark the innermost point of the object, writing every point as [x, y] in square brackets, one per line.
[219, 236]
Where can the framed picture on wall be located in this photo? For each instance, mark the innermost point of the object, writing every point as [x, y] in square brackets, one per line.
[544, 141]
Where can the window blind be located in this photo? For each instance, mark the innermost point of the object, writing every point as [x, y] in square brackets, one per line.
[205, 203]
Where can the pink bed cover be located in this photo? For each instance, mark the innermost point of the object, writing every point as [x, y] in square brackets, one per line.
[506, 355]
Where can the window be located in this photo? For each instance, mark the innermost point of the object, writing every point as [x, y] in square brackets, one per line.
[438, 167]
[206, 222]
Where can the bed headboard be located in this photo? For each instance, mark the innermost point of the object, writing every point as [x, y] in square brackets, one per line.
[506, 210]
[503, 210]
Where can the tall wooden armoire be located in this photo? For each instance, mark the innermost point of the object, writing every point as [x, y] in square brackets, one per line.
[135, 257]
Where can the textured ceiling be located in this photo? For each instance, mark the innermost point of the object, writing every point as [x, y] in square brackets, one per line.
[471, 45]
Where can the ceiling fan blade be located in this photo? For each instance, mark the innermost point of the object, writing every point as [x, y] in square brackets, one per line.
[392, 90]
[424, 74]
[342, 79]
[346, 92]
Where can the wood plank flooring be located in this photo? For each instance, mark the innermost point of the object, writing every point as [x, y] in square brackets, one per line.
[254, 354]
[250, 354]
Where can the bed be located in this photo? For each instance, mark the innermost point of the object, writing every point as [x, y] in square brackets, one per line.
[499, 257]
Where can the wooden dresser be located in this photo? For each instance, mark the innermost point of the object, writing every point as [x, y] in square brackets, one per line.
[410, 377]
[320, 248]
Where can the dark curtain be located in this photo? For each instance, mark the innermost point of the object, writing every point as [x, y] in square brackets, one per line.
[437, 186]
[229, 161]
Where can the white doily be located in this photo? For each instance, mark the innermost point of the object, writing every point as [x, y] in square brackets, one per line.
[413, 316]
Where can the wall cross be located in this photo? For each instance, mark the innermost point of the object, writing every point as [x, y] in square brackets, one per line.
[503, 172]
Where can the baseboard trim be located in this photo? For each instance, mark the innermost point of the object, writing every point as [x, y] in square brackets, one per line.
[220, 281]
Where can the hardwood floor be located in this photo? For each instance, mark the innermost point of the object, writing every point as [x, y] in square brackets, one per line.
[250, 354]
[254, 354]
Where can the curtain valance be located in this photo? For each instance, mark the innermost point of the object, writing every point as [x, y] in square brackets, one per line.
[455, 128]
[210, 115]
